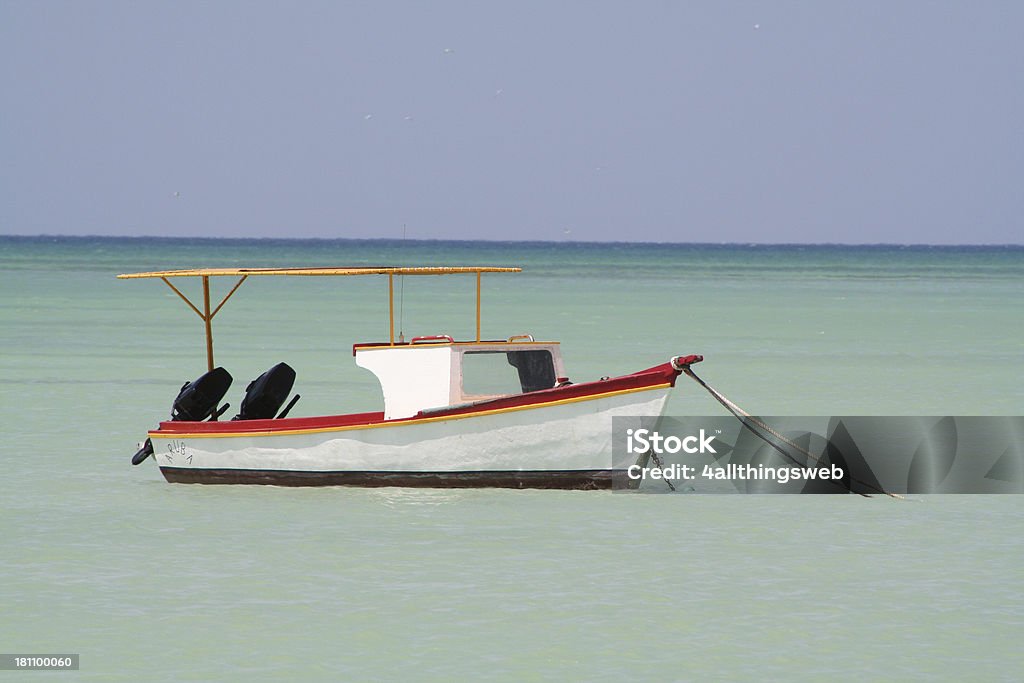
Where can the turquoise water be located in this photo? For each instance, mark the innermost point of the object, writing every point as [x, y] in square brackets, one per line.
[158, 582]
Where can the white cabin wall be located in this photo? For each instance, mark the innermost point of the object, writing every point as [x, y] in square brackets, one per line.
[412, 379]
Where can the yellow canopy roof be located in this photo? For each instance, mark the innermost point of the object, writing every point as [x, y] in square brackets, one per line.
[424, 270]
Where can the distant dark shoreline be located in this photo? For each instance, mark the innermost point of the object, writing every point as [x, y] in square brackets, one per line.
[546, 244]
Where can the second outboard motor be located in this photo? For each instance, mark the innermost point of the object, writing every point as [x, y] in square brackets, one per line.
[198, 400]
[266, 394]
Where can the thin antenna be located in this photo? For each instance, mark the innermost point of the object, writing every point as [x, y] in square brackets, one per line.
[401, 297]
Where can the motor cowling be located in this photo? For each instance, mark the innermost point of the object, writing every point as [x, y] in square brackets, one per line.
[267, 393]
[198, 400]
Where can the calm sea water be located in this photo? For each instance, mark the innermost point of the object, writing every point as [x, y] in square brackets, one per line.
[151, 581]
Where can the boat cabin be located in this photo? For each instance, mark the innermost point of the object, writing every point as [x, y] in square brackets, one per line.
[437, 372]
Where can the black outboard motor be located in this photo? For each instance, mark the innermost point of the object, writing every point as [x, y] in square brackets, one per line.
[196, 401]
[267, 393]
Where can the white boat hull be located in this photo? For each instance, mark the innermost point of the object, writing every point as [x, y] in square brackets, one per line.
[565, 445]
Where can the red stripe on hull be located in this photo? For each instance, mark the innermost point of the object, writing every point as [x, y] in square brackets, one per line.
[566, 479]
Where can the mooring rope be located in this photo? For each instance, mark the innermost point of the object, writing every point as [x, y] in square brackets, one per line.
[746, 418]
[657, 461]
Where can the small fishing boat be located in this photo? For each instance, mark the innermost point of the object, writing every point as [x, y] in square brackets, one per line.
[477, 413]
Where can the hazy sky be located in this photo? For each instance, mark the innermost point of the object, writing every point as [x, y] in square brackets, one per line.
[709, 121]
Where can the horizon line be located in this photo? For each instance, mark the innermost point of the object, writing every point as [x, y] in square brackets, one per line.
[502, 241]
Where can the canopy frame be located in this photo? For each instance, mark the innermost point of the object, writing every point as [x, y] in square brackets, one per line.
[207, 315]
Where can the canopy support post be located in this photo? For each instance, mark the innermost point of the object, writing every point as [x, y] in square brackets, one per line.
[183, 297]
[208, 319]
[391, 308]
[225, 300]
[478, 305]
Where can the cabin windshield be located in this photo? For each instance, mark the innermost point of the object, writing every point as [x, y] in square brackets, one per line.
[499, 373]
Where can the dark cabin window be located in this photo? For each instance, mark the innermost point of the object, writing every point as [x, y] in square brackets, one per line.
[536, 369]
[490, 373]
